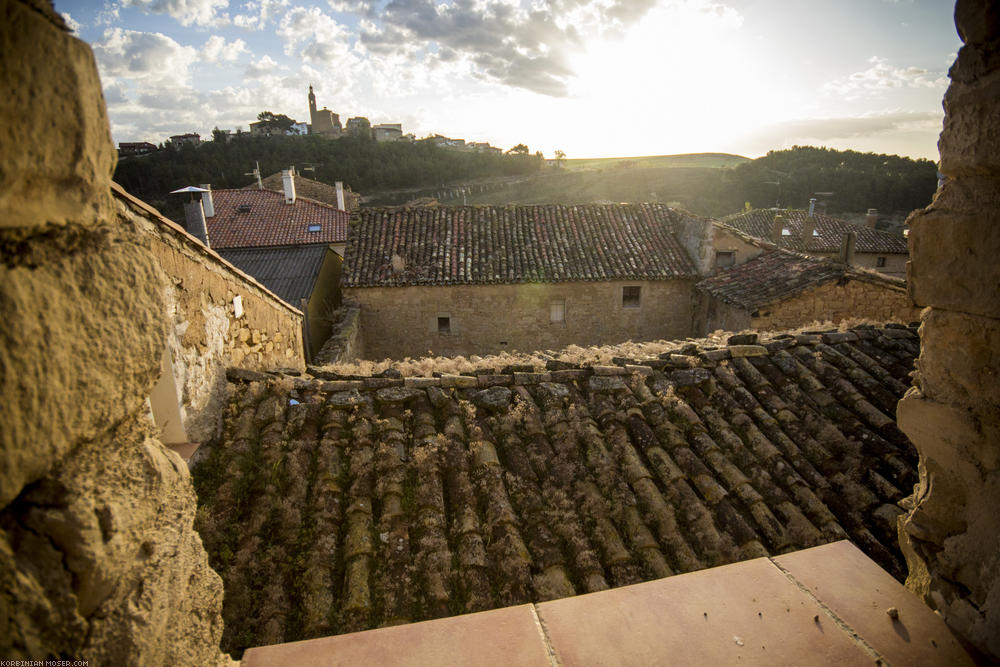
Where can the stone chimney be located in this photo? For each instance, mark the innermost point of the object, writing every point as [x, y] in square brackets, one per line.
[340, 195]
[812, 206]
[206, 200]
[776, 226]
[808, 227]
[194, 221]
[847, 248]
[871, 218]
[288, 179]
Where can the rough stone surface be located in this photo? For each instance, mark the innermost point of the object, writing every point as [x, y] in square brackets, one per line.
[950, 537]
[98, 557]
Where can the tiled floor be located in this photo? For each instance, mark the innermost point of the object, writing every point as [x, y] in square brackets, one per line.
[823, 606]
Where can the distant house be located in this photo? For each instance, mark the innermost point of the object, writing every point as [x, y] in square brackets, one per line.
[780, 289]
[135, 148]
[821, 236]
[291, 244]
[462, 280]
[359, 126]
[189, 138]
[387, 132]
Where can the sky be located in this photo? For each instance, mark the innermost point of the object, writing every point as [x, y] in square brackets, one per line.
[593, 78]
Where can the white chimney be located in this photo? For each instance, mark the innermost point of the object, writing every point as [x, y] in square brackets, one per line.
[340, 195]
[871, 218]
[812, 206]
[289, 181]
[206, 200]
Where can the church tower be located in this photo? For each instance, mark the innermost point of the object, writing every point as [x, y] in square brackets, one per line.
[312, 102]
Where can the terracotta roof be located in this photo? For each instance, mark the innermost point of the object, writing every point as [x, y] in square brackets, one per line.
[830, 231]
[288, 271]
[310, 189]
[268, 221]
[450, 245]
[337, 505]
[776, 275]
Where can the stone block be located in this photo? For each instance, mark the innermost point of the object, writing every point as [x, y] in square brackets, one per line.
[639, 369]
[748, 351]
[421, 383]
[572, 375]
[459, 381]
[609, 370]
[722, 354]
[494, 380]
[960, 360]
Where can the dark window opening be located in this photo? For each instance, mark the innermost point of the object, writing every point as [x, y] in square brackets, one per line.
[725, 258]
[630, 296]
[880, 262]
[243, 208]
[444, 325]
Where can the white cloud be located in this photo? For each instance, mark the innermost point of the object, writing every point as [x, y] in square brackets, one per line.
[74, 26]
[315, 37]
[218, 50]
[258, 14]
[148, 57]
[187, 12]
[882, 77]
[264, 67]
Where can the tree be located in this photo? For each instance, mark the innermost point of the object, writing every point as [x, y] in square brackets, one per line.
[219, 135]
[560, 156]
[520, 149]
[275, 123]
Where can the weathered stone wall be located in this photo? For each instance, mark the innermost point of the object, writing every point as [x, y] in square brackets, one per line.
[98, 557]
[403, 321]
[714, 315]
[835, 303]
[695, 234]
[952, 536]
[344, 344]
[725, 241]
[895, 265]
[204, 336]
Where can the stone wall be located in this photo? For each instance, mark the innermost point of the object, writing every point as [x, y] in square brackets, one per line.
[952, 415]
[344, 344]
[695, 234]
[403, 321]
[833, 302]
[204, 335]
[98, 557]
[725, 241]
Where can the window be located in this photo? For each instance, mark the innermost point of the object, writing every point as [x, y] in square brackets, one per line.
[243, 208]
[315, 228]
[880, 262]
[630, 296]
[724, 258]
[557, 312]
[444, 325]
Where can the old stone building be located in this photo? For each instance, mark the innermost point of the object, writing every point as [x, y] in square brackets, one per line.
[323, 121]
[780, 289]
[821, 235]
[462, 280]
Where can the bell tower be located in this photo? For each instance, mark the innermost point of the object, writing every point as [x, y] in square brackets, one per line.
[312, 102]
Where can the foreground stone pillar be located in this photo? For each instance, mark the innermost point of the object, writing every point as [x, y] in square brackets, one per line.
[98, 557]
[951, 538]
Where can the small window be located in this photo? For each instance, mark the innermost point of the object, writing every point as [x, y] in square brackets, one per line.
[243, 208]
[444, 325]
[786, 232]
[630, 296]
[880, 262]
[557, 312]
[315, 228]
[725, 258]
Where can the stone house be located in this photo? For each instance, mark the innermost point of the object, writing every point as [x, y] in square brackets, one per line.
[464, 280]
[780, 289]
[819, 235]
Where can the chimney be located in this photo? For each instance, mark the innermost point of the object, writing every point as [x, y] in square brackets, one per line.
[812, 206]
[808, 227]
[340, 195]
[776, 227]
[847, 248]
[206, 200]
[871, 218]
[288, 179]
[194, 220]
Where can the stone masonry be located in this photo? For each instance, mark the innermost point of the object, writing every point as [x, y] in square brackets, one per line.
[835, 303]
[951, 537]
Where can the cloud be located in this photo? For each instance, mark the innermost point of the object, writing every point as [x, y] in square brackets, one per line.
[258, 14]
[314, 36]
[146, 57]
[882, 77]
[74, 26]
[186, 12]
[218, 50]
[264, 67]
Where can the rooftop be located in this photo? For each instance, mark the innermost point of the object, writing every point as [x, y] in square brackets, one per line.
[288, 271]
[251, 218]
[363, 502]
[829, 232]
[514, 244]
[310, 189]
[775, 275]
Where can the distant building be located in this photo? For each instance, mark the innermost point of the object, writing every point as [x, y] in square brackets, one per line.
[483, 147]
[189, 138]
[359, 126]
[323, 121]
[387, 132]
[262, 129]
[312, 189]
[135, 148]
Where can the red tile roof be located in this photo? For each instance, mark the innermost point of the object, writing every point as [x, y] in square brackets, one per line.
[829, 230]
[451, 245]
[269, 221]
[776, 275]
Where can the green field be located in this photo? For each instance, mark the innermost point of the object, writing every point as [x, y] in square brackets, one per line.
[697, 160]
